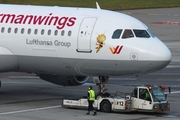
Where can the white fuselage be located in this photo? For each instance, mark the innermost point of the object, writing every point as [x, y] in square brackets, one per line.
[76, 41]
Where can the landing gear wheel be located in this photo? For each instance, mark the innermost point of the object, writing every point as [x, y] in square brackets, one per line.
[105, 106]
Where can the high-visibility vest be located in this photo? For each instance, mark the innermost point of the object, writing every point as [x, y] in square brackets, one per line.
[147, 96]
[91, 95]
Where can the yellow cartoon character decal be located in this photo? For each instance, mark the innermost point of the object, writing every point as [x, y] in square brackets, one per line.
[100, 42]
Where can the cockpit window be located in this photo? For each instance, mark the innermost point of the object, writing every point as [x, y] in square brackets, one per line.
[127, 34]
[117, 34]
[141, 33]
[150, 32]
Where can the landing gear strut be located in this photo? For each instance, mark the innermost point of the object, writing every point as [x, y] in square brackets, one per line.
[100, 82]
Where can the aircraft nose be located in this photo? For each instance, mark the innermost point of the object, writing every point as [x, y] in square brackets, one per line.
[160, 55]
[159, 52]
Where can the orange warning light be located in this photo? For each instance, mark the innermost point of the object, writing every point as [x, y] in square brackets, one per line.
[164, 87]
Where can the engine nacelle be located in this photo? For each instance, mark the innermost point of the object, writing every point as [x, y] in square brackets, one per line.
[64, 80]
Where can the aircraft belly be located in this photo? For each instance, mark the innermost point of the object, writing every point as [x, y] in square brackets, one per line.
[70, 66]
[36, 64]
[8, 61]
[117, 68]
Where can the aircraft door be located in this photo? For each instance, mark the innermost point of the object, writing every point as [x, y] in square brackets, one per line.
[84, 35]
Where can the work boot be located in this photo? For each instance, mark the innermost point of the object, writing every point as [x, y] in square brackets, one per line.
[94, 114]
[87, 113]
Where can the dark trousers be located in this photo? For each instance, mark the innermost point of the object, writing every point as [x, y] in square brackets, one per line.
[90, 106]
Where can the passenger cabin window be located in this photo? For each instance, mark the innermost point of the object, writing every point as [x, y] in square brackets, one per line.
[69, 33]
[35, 31]
[62, 33]
[2, 30]
[127, 34]
[42, 32]
[9, 30]
[141, 33]
[15, 30]
[49, 32]
[29, 31]
[22, 31]
[56, 32]
[117, 34]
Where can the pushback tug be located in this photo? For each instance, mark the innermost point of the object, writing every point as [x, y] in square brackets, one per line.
[122, 102]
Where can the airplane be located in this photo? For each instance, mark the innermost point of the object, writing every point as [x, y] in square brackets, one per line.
[67, 45]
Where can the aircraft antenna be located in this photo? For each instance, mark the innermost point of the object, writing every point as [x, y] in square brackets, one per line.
[97, 6]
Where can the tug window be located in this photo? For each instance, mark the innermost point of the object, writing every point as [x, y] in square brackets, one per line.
[144, 94]
[141, 33]
[117, 34]
[127, 34]
[134, 93]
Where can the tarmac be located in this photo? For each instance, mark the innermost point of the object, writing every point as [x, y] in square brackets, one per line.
[27, 97]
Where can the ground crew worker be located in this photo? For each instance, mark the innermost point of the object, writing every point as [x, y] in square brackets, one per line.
[147, 96]
[91, 98]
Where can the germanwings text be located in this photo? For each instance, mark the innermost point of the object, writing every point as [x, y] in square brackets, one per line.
[58, 22]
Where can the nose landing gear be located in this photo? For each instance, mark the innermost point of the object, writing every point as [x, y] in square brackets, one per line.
[100, 82]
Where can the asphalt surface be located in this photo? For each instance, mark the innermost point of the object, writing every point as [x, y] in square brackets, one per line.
[26, 97]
